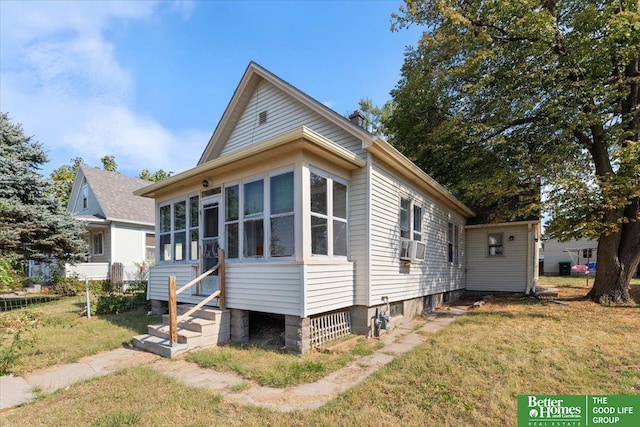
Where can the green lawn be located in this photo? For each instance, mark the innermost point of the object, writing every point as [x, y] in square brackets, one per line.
[468, 374]
[58, 332]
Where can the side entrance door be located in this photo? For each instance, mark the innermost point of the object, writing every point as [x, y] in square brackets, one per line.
[210, 244]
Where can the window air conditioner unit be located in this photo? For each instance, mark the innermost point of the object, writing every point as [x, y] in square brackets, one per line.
[405, 250]
[412, 250]
[419, 250]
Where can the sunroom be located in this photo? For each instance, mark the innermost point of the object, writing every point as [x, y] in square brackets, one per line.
[279, 209]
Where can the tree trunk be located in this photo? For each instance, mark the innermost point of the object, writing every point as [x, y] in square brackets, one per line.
[618, 258]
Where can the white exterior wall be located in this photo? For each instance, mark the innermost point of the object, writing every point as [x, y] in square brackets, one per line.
[158, 288]
[506, 273]
[554, 253]
[90, 270]
[359, 215]
[129, 248]
[328, 287]
[388, 275]
[283, 113]
[265, 287]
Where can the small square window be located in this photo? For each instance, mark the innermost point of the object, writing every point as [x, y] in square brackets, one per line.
[262, 117]
[495, 244]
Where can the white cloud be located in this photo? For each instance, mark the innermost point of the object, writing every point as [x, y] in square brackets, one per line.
[61, 79]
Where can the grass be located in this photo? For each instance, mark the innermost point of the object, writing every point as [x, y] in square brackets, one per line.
[58, 332]
[277, 369]
[468, 374]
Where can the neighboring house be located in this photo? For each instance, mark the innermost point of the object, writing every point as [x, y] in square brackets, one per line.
[570, 253]
[317, 216]
[120, 225]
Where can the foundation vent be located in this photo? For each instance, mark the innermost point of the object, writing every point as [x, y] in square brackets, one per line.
[330, 327]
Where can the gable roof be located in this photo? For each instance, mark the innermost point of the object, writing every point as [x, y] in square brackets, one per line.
[253, 75]
[242, 95]
[114, 194]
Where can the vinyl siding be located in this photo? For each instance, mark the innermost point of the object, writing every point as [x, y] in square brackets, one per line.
[129, 248]
[328, 287]
[506, 273]
[554, 253]
[283, 113]
[359, 233]
[390, 277]
[265, 287]
[159, 282]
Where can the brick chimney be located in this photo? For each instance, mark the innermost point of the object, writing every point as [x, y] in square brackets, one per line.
[357, 118]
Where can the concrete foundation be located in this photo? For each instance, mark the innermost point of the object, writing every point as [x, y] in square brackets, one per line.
[239, 325]
[297, 334]
[363, 318]
[159, 307]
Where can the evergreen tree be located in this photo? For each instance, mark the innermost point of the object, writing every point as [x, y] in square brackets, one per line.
[33, 224]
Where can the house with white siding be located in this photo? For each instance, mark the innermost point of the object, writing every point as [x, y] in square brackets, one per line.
[320, 222]
[120, 225]
[570, 254]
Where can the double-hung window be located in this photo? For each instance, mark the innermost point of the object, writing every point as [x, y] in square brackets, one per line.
[328, 215]
[97, 243]
[282, 241]
[178, 220]
[495, 244]
[453, 243]
[410, 220]
[231, 220]
[253, 226]
[85, 194]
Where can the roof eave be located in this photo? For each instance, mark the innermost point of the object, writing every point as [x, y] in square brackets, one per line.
[387, 152]
[301, 132]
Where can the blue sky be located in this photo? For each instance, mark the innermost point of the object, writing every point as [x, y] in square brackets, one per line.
[147, 81]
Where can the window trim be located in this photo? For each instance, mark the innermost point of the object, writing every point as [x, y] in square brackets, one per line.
[411, 213]
[490, 246]
[85, 194]
[186, 251]
[453, 244]
[93, 243]
[266, 216]
[329, 216]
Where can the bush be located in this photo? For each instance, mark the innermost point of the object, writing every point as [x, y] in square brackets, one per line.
[117, 303]
[67, 286]
[10, 276]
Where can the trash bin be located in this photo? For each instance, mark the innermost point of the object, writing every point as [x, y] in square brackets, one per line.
[565, 268]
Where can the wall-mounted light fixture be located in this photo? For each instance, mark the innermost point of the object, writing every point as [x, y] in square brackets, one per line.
[511, 238]
[205, 183]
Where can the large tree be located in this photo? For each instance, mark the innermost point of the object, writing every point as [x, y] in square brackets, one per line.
[501, 96]
[33, 224]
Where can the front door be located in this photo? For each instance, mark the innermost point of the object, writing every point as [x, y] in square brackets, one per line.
[210, 243]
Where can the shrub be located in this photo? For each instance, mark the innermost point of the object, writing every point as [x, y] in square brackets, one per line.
[10, 278]
[117, 303]
[67, 286]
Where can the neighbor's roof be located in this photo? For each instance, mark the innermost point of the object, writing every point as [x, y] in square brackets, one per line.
[114, 193]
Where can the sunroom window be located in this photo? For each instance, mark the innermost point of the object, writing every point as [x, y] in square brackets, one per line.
[282, 225]
[328, 215]
[260, 214]
[178, 220]
[254, 219]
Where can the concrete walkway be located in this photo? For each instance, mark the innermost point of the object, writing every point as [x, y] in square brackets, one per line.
[15, 391]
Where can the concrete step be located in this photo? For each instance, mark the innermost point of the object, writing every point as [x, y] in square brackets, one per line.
[159, 346]
[162, 331]
[209, 313]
